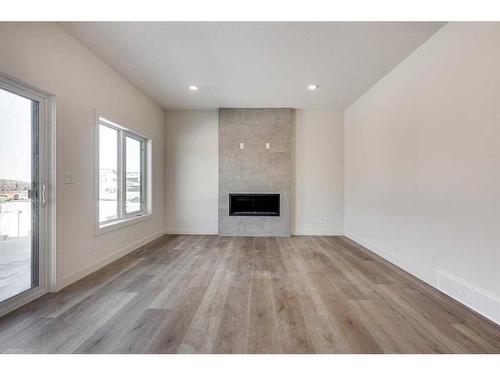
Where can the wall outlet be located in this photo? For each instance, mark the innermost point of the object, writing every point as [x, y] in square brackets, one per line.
[242, 146]
[321, 219]
[268, 146]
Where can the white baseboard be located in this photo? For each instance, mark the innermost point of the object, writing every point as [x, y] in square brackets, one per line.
[313, 232]
[479, 300]
[87, 270]
[209, 231]
[424, 275]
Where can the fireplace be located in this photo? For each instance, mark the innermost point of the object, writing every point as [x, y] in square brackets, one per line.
[255, 179]
[254, 205]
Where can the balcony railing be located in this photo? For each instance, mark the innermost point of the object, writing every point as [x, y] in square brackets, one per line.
[15, 219]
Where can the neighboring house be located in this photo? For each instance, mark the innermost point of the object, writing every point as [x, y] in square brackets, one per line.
[133, 186]
[108, 184]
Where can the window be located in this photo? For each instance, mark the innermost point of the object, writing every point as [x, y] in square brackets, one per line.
[121, 175]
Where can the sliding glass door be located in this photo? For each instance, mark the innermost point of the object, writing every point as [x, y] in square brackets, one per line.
[22, 193]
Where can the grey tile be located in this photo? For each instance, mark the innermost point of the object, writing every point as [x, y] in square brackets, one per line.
[254, 115]
[229, 138]
[255, 169]
[280, 115]
[229, 115]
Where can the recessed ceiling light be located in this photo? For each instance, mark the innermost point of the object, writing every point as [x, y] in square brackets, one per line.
[312, 87]
[193, 88]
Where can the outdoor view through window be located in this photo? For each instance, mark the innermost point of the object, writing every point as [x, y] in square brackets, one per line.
[108, 174]
[121, 171]
[133, 175]
[15, 204]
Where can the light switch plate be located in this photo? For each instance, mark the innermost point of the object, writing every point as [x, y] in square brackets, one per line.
[70, 178]
[242, 146]
[268, 146]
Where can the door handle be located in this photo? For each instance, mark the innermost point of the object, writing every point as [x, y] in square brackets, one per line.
[44, 201]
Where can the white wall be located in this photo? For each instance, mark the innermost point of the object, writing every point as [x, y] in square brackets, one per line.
[46, 56]
[423, 165]
[192, 171]
[319, 172]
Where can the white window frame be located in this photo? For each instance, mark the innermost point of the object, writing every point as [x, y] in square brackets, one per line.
[124, 219]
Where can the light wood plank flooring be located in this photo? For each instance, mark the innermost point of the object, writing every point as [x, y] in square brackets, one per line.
[209, 294]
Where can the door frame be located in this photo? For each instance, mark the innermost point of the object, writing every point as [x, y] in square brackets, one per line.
[47, 179]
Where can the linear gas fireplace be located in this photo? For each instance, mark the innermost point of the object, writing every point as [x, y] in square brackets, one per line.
[254, 205]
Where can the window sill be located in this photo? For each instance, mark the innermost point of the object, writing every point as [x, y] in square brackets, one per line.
[121, 224]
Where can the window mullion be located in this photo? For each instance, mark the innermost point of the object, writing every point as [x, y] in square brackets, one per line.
[121, 171]
[143, 176]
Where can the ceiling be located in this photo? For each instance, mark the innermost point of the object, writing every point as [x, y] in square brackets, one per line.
[252, 64]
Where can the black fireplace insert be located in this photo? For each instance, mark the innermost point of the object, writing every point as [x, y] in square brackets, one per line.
[254, 205]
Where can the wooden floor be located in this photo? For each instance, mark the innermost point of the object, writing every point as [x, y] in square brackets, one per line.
[209, 294]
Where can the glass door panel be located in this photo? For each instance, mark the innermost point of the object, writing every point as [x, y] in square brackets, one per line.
[18, 194]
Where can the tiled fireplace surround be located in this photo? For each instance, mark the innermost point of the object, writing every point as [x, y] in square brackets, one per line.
[246, 165]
